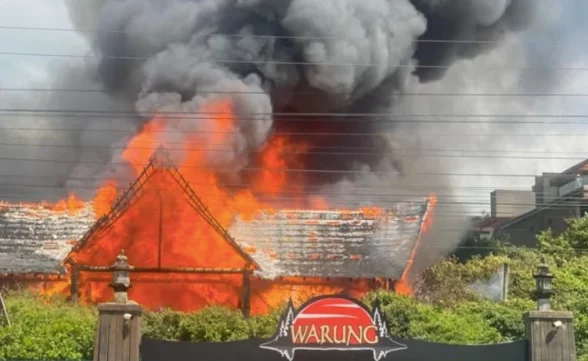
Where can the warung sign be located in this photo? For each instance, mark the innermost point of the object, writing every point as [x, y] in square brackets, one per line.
[332, 323]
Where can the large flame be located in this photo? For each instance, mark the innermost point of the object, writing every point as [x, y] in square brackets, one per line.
[162, 230]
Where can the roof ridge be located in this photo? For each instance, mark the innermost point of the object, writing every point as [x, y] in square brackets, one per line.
[160, 160]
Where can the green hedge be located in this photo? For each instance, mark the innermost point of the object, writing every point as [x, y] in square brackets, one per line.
[55, 330]
[46, 330]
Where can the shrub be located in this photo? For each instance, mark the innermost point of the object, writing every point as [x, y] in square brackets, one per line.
[46, 329]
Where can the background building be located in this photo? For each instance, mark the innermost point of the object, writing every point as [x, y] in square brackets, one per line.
[518, 216]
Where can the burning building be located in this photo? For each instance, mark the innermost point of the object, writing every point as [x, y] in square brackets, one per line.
[274, 113]
[186, 258]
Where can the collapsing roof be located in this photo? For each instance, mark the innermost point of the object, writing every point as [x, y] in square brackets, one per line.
[34, 239]
[349, 244]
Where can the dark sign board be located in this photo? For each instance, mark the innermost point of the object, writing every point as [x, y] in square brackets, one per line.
[330, 328]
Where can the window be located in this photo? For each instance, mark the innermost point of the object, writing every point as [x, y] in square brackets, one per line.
[549, 222]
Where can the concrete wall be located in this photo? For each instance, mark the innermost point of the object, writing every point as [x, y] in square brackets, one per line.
[511, 203]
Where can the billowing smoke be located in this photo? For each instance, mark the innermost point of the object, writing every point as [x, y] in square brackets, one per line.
[308, 68]
[296, 66]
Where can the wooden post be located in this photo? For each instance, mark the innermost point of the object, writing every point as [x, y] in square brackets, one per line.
[550, 335]
[119, 332]
[246, 296]
[119, 324]
[74, 289]
[160, 241]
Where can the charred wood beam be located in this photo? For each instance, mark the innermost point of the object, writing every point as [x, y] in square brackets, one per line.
[198, 280]
[75, 276]
[168, 270]
[246, 294]
[160, 241]
[121, 204]
[33, 277]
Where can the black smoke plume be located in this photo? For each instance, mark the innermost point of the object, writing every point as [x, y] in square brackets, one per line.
[332, 68]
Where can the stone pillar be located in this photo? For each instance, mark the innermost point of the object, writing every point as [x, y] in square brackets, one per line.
[118, 336]
[550, 333]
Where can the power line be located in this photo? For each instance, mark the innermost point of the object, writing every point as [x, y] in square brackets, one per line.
[485, 119]
[289, 195]
[229, 114]
[239, 185]
[221, 61]
[286, 170]
[302, 152]
[404, 94]
[295, 37]
[308, 188]
[150, 146]
[359, 134]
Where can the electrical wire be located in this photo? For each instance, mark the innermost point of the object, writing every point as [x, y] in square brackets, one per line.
[149, 146]
[285, 170]
[225, 114]
[274, 62]
[294, 37]
[359, 134]
[403, 94]
[397, 152]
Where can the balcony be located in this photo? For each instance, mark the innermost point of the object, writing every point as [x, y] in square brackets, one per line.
[573, 186]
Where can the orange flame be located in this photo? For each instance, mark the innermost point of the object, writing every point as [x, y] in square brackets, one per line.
[161, 228]
[276, 157]
[403, 286]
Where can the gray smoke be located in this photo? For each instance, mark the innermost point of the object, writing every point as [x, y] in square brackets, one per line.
[281, 62]
[493, 288]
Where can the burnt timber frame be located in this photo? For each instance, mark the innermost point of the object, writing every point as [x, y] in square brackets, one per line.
[160, 161]
[244, 302]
